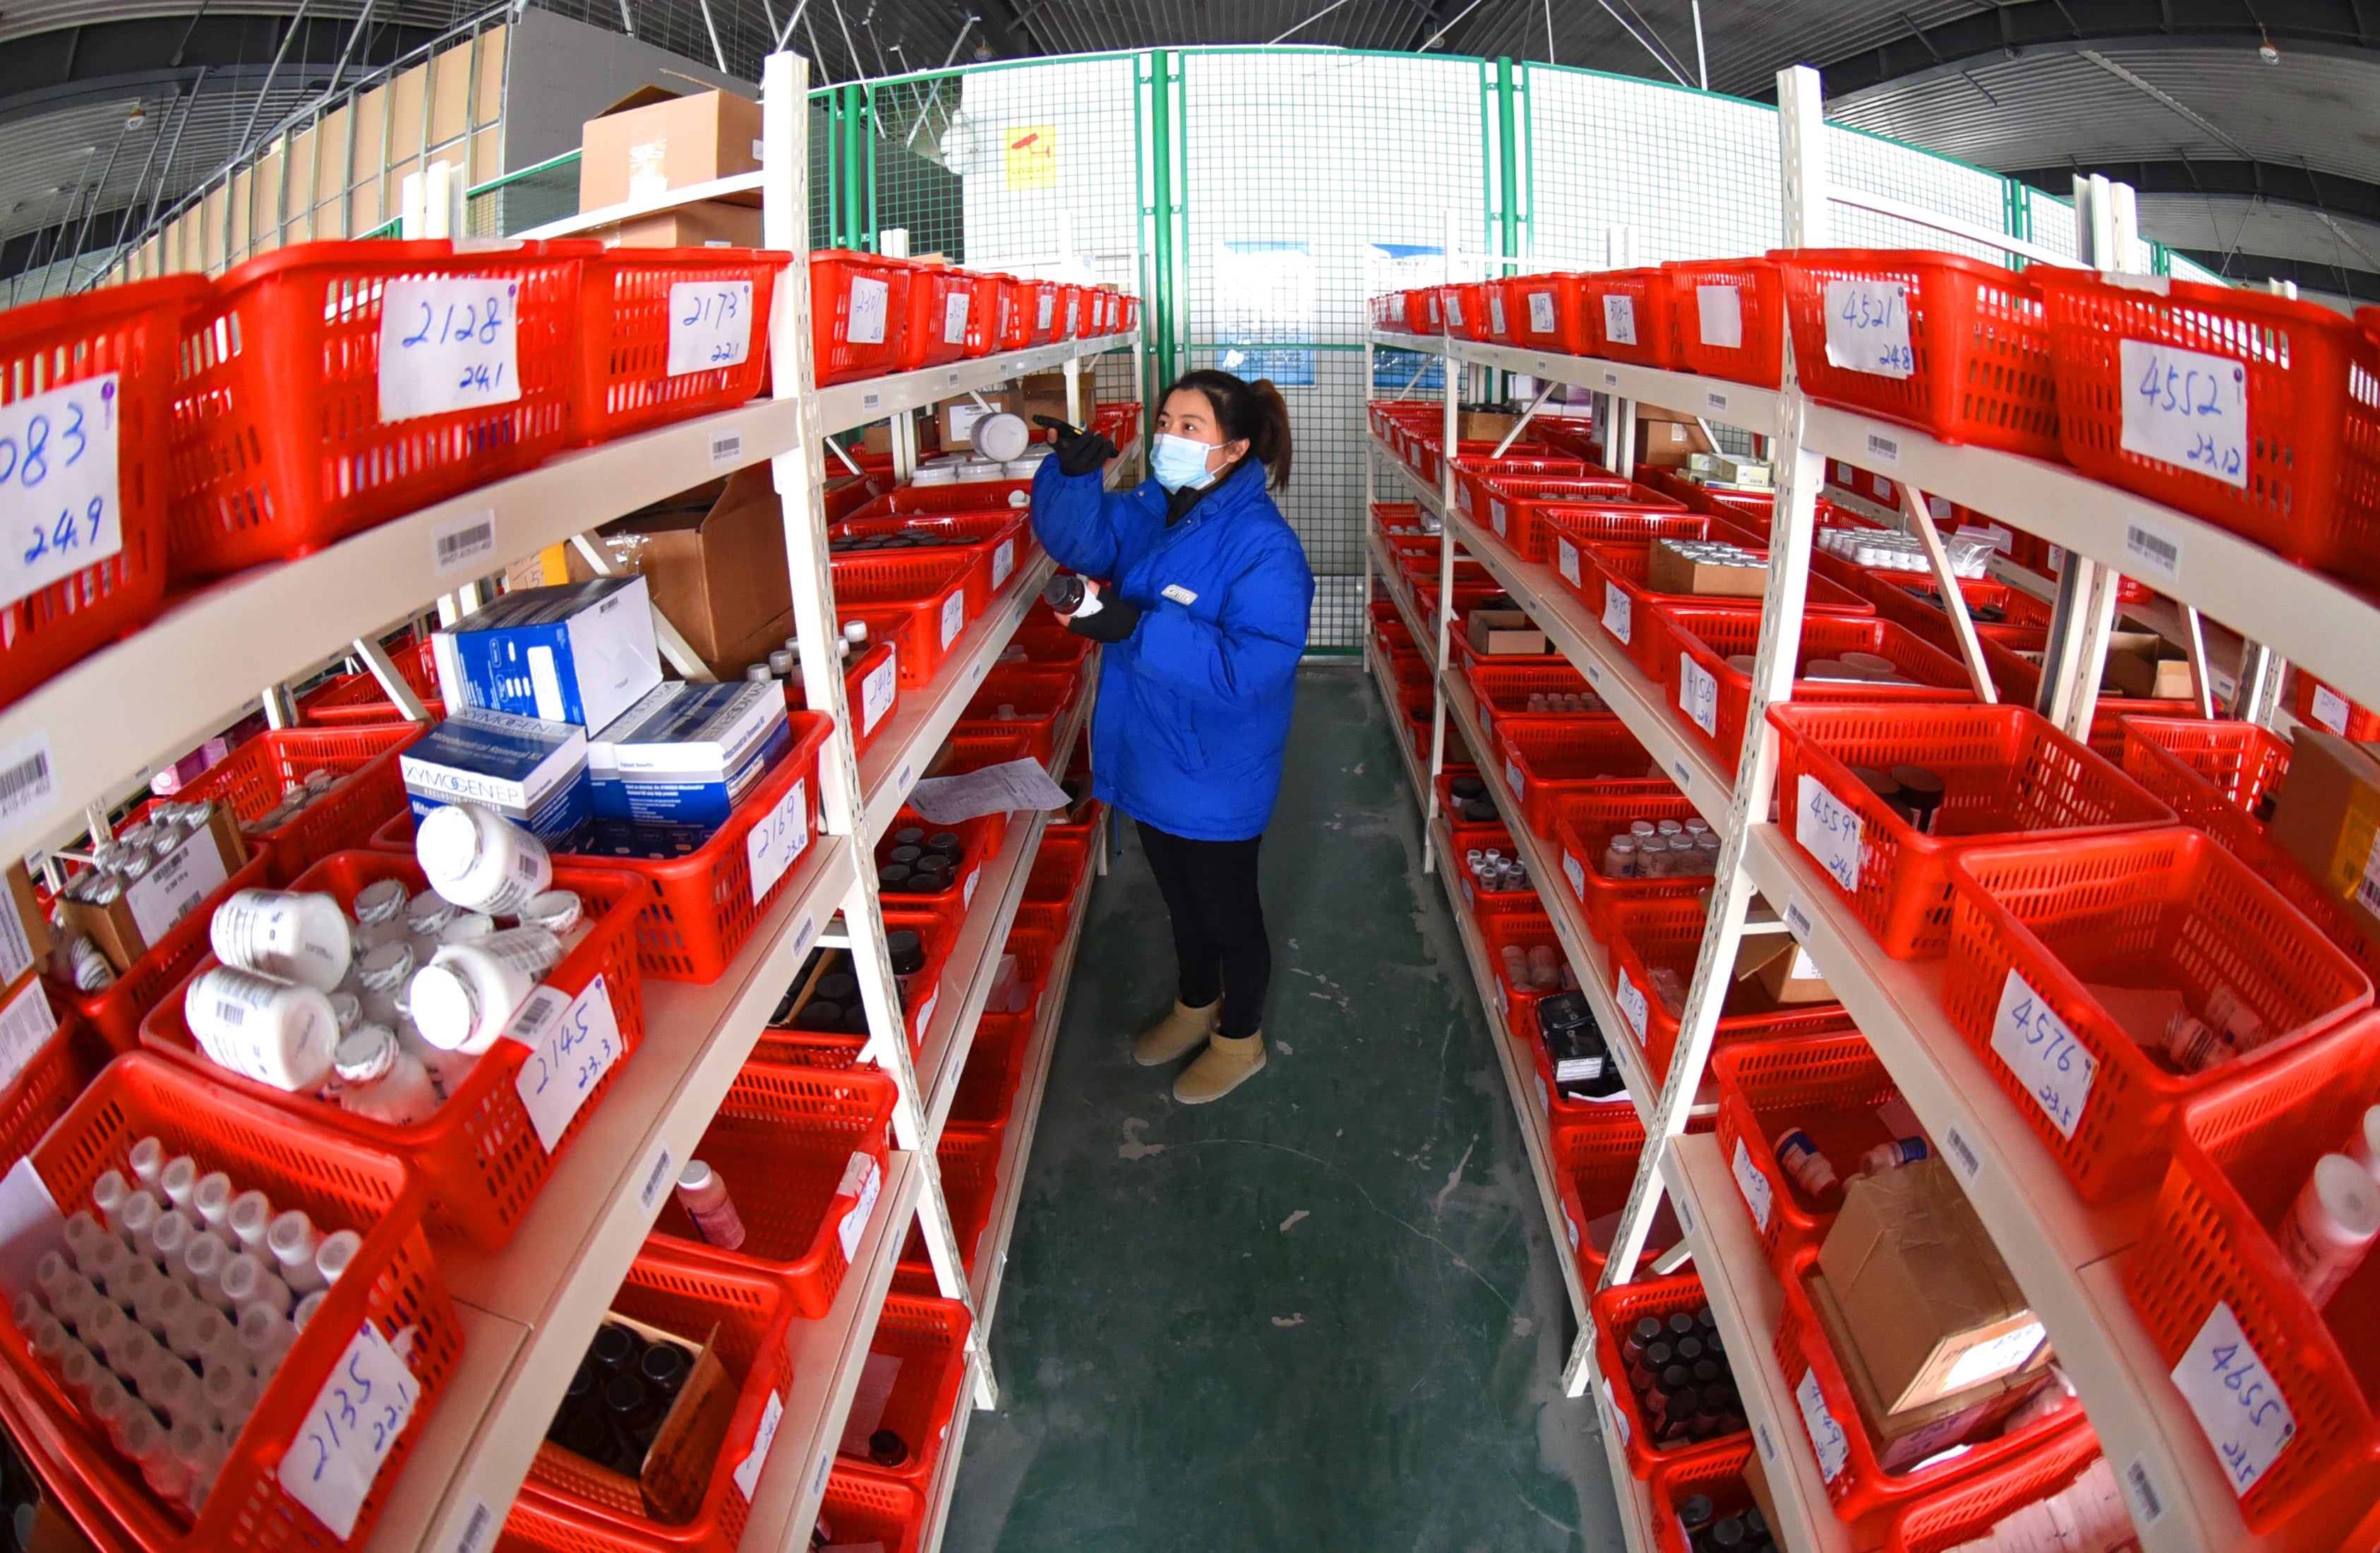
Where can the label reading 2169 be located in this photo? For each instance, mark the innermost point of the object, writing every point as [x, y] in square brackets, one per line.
[58, 499]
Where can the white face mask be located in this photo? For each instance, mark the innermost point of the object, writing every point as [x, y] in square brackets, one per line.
[1178, 461]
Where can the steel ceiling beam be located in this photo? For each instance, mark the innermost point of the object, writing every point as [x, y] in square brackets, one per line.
[107, 61]
[2276, 182]
[2362, 285]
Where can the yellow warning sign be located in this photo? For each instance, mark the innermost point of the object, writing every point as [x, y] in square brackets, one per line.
[1032, 156]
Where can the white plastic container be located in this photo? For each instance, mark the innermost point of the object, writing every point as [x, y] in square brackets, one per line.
[280, 1033]
[462, 1000]
[286, 934]
[2330, 1227]
[336, 1255]
[292, 1239]
[479, 860]
[561, 912]
[380, 1081]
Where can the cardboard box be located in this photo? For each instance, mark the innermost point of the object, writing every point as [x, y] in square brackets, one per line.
[956, 419]
[1903, 1440]
[653, 140]
[2142, 663]
[581, 653]
[1037, 393]
[1935, 1309]
[1483, 426]
[687, 753]
[711, 223]
[1669, 569]
[1667, 440]
[533, 774]
[2327, 816]
[25, 937]
[678, 1465]
[175, 886]
[1780, 969]
[715, 567]
[1503, 633]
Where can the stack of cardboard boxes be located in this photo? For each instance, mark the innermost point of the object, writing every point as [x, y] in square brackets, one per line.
[653, 141]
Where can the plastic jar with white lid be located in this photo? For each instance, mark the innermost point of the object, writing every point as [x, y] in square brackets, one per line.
[470, 927]
[463, 999]
[479, 860]
[428, 912]
[292, 935]
[380, 1081]
[276, 1032]
[561, 912]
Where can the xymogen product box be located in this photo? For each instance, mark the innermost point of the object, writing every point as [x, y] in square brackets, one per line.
[686, 753]
[533, 772]
[580, 653]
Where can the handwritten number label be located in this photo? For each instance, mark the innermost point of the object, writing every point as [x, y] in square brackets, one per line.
[59, 506]
[1827, 1436]
[1867, 328]
[2235, 1400]
[573, 1043]
[1620, 320]
[1566, 558]
[1753, 1185]
[1828, 831]
[2049, 1059]
[356, 1421]
[710, 325]
[1719, 314]
[447, 344]
[1618, 613]
[863, 323]
[1631, 999]
[1576, 871]
[1699, 693]
[1541, 313]
[2186, 407]
[782, 836]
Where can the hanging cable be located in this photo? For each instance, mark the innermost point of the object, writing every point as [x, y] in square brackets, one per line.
[1310, 21]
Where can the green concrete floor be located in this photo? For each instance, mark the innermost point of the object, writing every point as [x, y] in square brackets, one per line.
[1325, 1312]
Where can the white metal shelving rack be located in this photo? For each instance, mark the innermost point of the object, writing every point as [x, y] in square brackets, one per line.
[528, 1311]
[2067, 1254]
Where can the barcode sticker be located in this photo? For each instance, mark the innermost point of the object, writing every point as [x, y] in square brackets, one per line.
[1610, 378]
[2331, 710]
[1827, 1436]
[1719, 313]
[710, 326]
[355, 1422]
[1753, 1185]
[567, 1058]
[60, 508]
[1962, 1153]
[656, 1181]
[447, 344]
[1867, 328]
[26, 1026]
[954, 617]
[2186, 407]
[2141, 1495]
[1886, 448]
[1684, 775]
[2158, 555]
[1620, 320]
[2235, 1399]
[1829, 830]
[747, 1471]
[460, 543]
[1619, 611]
[1631, 999]
[2052, 1063]
[1797, 922]
[479, 1529]
[1716, 400]
[27, 786]
[1767, 1440]
[1576, 873]
[1566, 561]
[1699, 693]
[726, 448]
[782, 836]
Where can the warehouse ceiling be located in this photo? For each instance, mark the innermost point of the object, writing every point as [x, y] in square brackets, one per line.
[2245, 124]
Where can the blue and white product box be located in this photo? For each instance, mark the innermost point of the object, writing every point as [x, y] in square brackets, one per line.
[530, 772]
[581, 653]
[687, 754]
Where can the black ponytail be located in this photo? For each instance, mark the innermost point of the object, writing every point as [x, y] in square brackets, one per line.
[1252, 412]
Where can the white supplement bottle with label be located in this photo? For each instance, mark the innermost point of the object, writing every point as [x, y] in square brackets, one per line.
[481, 861]
[380, 1080]
[2330, 1227]
[296, 937]
[463, 999]
[280, 1033]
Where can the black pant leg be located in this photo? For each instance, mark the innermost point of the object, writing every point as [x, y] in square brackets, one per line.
[1197, 951]
[1223, 879]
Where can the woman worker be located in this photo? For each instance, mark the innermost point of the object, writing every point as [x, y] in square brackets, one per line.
[1204, 615]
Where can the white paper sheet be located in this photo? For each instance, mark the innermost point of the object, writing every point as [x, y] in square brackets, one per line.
[1002, 789]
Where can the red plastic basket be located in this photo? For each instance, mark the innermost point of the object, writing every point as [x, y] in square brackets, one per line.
[1711, 695]
[2033, 925]
[1613, 584]
[345, 700]
[1977, 351]
[1043, 313]
[1949, 1519]
[2024, 626]
[995, 539]
[56, 1072]
[1041, 698]
[2240, 1159]
[1595, 1168]
[942, 501]
[633, 303]
[2009, 776]
[861, 1508]
[1828, 1088]
[1716, 1477]
[934, 327]
[1571, 529]
[871, 688]
[1586, 822]
[859, 303]
[2318, 704]
[1615, 1309]
[1628, 317]
[1549, 758]
[280, 447]
[930, 1338]
[1464, 310]
[969, 1159]
[116, 1012]
[1058, 870]
[791, 1143]
[251, 778]
[1648, 935]
[1740, 339]
[393, 1283]
[2302, 472]
[980, 841]
[938, 591]
[1861, 1487]
[569, 1505]
[479, 1153]
[1517, 507]
[135, 333]
[988, 1085]
[1503, 689]
[1549, 312]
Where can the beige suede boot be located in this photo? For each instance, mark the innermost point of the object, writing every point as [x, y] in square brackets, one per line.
[1221, 1069]
[1176, 1033]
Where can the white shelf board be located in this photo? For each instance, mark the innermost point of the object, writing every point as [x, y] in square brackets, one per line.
[1392, 582]
[542, 1297]
[827, 1355]
[1714, 399]
[846, 405]
[2064, 1253]
[1746, 1302]
[653, 204]
[923, 718]
[1632, 1496]
[945, 1485]
[1639, 703]
[106, 721]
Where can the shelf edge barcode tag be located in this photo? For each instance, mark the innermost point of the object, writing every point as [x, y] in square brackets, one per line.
[656, 1181]
[458, 543]
[727, 448]
[479, 1528]
[2141, 1495]
[27, 782]
[2159, 555]
[1962, 1153]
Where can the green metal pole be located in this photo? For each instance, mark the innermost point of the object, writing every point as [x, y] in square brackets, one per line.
[868, 139]
[1509, 155]
[1161, 129]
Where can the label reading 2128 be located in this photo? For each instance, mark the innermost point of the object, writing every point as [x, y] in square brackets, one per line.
[58, 500]
[447, 344]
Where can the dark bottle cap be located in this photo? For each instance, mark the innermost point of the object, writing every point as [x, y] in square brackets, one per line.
[584, 1383]
[904, 854]
[1705, 1319]
[909, 835]
[1676, 1377]
[1681, 1323]
[907, 951]
[614, 1349]
[1918, 785]
[1659, 1356]
[1706, 1371]
[887, 1449]
[1648, 1327]
[894, 877]
[854, 1020]
[627, 1400]
[1689, 1349]
[839, 985]
[1063, 592]
[664, 1368]
[1727, 1533]
[934, 870]
[1466, 788]
[1754, 1524]
[819, 1013]
[1695, 1513]
[1480, 812]
[588, 1434]
[1879, 782]
[944, 841]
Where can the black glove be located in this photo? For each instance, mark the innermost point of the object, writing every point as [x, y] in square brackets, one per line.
[1079, 453]
[1113, 621]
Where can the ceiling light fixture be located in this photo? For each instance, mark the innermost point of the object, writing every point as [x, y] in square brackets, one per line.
[2267, 52]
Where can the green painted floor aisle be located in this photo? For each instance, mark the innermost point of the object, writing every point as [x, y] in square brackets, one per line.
[1323, 1313]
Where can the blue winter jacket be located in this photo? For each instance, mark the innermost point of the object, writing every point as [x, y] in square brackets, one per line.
[1192, 714]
